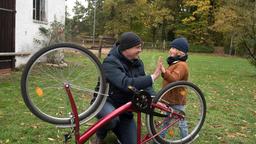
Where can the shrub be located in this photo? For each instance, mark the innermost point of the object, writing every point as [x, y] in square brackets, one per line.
[201, 49]
[51, 35]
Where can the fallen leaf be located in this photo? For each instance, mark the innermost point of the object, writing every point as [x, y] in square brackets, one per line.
[39, 91]
[34, 126]
[241, 134]
[231, 135]
[51, 139]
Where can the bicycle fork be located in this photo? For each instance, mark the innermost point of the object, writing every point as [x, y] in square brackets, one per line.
[74, 114]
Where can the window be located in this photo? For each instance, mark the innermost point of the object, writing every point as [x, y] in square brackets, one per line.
[39, 10]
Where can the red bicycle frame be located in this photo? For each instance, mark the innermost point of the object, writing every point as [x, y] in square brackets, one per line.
[80, 139]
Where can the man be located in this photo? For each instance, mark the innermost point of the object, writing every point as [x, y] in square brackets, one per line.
[122, 68]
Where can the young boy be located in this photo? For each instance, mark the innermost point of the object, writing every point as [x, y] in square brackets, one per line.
[177, 71]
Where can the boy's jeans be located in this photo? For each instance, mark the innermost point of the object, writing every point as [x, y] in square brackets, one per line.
[182, 124]
[124, 128]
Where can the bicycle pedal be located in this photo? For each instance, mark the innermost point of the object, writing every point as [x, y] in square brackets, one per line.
[67, 137]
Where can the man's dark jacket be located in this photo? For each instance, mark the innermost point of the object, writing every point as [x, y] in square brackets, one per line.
[120, 73]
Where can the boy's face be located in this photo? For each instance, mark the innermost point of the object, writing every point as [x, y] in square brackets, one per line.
[173, 52]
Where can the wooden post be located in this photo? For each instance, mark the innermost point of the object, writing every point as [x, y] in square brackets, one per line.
[164, 45]
[100, 46]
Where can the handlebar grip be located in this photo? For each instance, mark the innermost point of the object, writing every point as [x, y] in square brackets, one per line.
[133, 89]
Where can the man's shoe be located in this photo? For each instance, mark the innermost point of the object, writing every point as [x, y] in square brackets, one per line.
[118, 141]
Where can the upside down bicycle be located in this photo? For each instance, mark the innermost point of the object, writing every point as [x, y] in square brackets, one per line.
[59, 82]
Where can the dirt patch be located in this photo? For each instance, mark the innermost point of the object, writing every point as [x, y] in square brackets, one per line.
[103, 51]
[5, 72]
[219, 50]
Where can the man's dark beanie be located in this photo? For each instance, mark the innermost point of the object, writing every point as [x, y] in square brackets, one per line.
[180, 44]
[128, 40]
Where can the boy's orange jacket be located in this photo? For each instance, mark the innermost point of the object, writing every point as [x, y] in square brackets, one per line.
[176, 72]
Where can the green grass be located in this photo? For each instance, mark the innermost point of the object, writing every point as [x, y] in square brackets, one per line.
[229, 85]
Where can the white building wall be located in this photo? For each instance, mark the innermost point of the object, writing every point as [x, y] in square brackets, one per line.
[27, 28]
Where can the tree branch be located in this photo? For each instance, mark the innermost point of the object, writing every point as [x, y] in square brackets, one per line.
[248, 49]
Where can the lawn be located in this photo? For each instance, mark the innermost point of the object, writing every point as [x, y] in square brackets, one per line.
[229, 85]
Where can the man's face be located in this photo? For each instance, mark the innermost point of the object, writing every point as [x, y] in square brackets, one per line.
[132, 53]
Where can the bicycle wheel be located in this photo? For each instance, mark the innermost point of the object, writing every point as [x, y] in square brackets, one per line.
[173, 129]
[43, 79]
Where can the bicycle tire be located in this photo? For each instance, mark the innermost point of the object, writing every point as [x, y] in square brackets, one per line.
[195, 104]
[74, 62]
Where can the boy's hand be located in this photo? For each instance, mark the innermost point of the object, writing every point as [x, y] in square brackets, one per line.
[163, 69]
[157, 72]
[160, 63]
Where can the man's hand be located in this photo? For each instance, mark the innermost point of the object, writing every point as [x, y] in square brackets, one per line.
[158, 71]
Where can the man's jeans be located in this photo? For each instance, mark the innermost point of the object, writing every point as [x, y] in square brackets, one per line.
[182, 124]
[124, 128]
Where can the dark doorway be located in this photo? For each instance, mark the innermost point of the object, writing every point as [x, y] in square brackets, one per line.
[7, 33]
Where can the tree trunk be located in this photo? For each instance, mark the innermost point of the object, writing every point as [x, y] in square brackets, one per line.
[131, 23]
[254, 29]
[231, 44]
[163, 37]
[153, 34]
[254, 50]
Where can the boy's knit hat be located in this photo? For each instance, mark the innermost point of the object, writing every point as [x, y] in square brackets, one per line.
[128, 40]
[180, 44]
